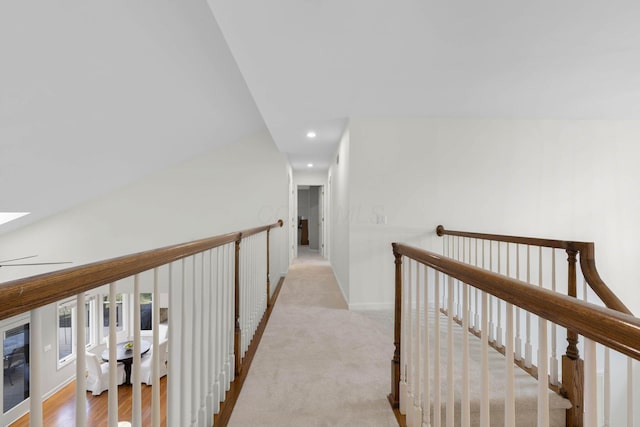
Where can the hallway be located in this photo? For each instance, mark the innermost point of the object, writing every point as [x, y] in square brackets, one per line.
[318, 364]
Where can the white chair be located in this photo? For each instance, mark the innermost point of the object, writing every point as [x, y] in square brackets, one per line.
[98, 374]
[146, 373]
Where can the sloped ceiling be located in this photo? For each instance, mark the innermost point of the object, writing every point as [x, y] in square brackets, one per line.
[94, 95]
[309, 63]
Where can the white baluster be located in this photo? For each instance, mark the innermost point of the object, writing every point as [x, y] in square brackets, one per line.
[35, 366]
[607, 389]
[527, 347]
[476, 322]
[426, 395]
[404, 337]
[484, 394]
[417, 410]
[543, 374]
[590, 384]
[543, 360]
[410, 343]
[155, 360]
[437, 382]
[215, 343]
[630, 404]
[113, 368]
[200, 347]
[195, 345]
[518, 344]
[173, 368]
[185, 362]
[450, 378]
[136, 393]
[466, 413]
[492, 325]
[553, 363]
[230, 321]
[81, 361]
[459, 300]
[509, 396]
[499, 309]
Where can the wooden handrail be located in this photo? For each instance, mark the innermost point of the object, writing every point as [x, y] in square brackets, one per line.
[21, 295]
[587, 260]
[618, 331]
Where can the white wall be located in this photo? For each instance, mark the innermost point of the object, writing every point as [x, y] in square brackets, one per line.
[339, 224]
[234, 187]
[310, 177]
[574, 180]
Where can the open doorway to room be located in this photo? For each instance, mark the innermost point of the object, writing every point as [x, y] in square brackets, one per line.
[310, 235]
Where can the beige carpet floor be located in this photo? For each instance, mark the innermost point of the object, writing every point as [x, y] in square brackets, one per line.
[318, 364]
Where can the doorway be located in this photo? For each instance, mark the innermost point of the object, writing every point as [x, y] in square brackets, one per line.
[310, 235]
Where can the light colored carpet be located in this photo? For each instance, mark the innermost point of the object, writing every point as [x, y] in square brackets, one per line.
[318, 364]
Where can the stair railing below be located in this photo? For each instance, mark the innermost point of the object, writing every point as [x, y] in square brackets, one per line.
[219, 289]
[426, 282]
[538, 262]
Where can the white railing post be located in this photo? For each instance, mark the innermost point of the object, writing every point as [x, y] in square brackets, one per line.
[417, 410]
[156, 357]
[450, 378]
[404, 337]
[426, 395]
[437, 381]
[174, 357]
[630, 404]
[484, 394]
[528, 350]
[136, 406]
[113, 367]
[35, 366]
[81, 361]
[509, 395]
[518, 342]
[590, 384]
[466, 415]
[543, 360]
[554, 375]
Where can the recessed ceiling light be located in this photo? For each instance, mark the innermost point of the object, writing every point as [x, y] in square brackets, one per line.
[10, 216]
[311, 134]
[309, 165]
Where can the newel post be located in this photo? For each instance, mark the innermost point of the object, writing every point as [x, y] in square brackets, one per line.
[394, 396]
[237, 331]
[572, 365]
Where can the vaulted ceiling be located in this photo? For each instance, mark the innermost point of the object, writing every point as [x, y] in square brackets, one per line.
[94, 95]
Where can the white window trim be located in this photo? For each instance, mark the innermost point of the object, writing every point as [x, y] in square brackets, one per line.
[93, 322]
[122, 335]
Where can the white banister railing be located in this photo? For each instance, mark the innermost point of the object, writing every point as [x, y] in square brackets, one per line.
[210, 284]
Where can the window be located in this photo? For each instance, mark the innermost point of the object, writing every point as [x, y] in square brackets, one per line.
[146, 312]
[119, 311]
[15, 348]
[67, 328]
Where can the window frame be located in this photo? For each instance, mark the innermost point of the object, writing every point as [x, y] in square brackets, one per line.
[90, 335]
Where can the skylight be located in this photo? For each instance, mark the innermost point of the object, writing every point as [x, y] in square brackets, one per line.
[10, 216]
